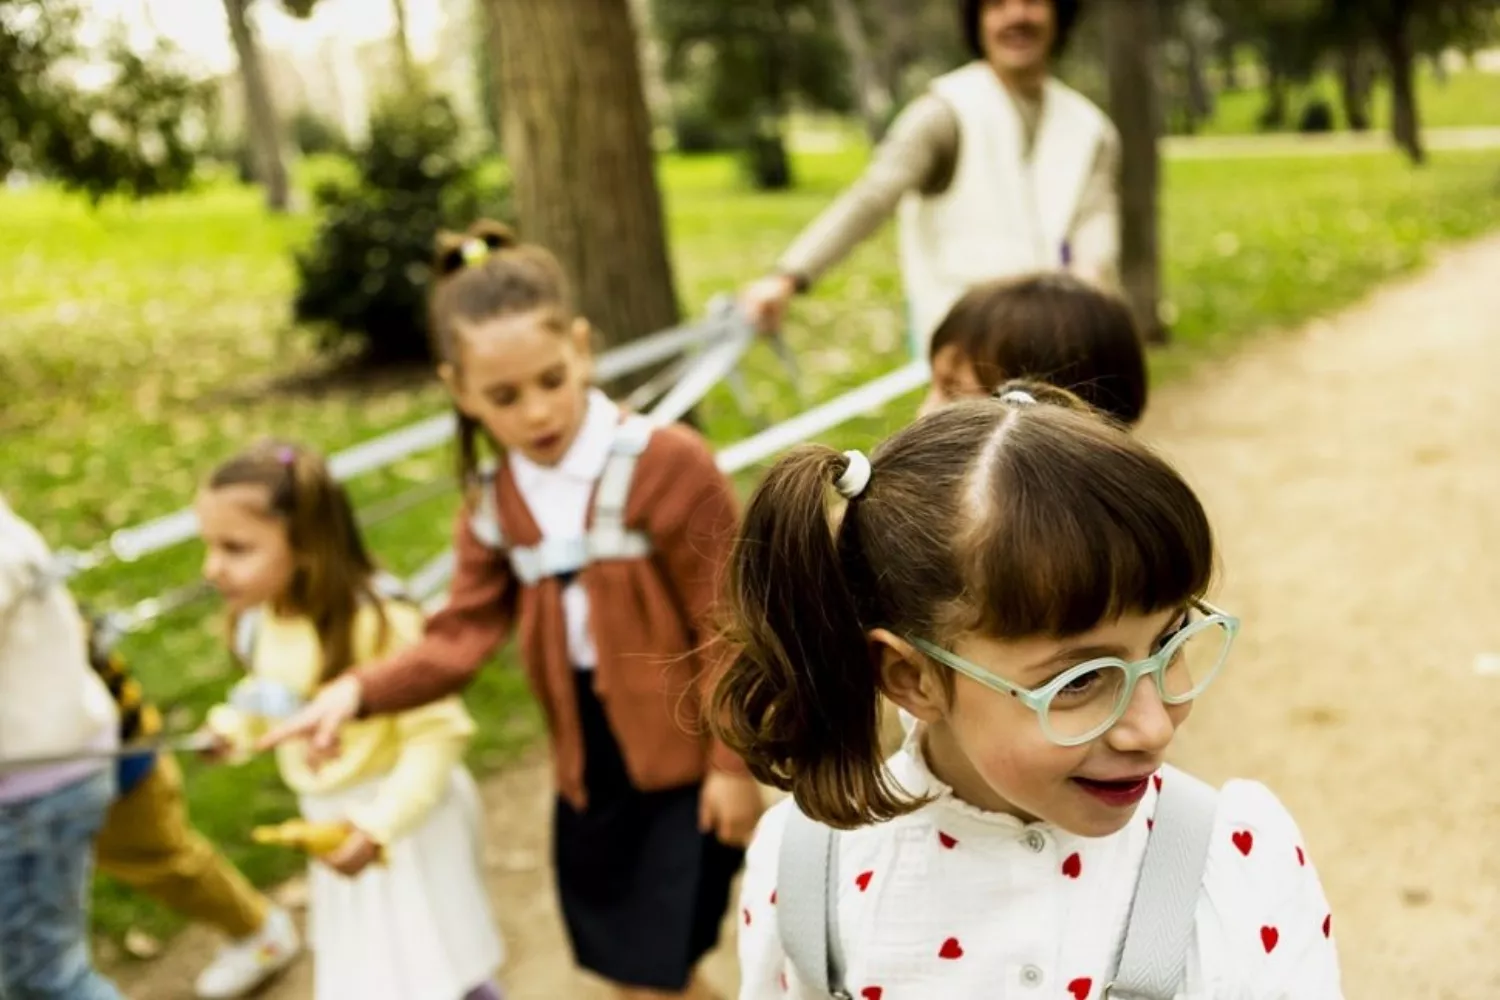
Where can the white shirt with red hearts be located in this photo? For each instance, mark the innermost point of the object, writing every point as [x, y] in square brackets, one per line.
[954, 903]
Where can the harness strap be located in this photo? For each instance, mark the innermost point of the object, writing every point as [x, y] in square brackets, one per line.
[485, 521]
[1153, 960]
[607, 540]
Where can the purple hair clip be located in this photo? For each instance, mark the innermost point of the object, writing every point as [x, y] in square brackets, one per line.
[286, 456]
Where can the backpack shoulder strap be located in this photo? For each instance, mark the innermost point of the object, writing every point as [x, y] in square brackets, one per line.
[391, 587]
[246, 628]
[484, 521]
[608, 538]
[807, 904]
[1154, 959]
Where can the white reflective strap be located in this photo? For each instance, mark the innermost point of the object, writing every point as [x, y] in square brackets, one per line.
[807, 904]
[551, 557]
[560, 556]
[485, 521]
[391, 587]
[613, 491]
[245, 629]
[1154, 958]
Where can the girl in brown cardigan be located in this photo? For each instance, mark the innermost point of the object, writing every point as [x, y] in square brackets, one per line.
[598, 540]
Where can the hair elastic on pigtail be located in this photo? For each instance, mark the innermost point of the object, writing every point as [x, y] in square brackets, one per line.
[855, 477]
[1017, 397]
[474, 250]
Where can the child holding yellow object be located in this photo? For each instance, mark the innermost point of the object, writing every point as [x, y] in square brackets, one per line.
[283, 549]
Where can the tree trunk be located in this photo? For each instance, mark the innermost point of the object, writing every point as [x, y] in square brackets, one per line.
[1273, 115]
[1131, 27]
[1229, 70]
[1200, 96]
[1354, 85]
[1406, 130]
[874, 100]
[578, 139]
[402, 42]
[260, 112]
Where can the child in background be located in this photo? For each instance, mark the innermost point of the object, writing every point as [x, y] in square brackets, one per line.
[1053, 328]
[148, 844]
[284, 551]
[598, 540]
[51, 705]
[1026, 579]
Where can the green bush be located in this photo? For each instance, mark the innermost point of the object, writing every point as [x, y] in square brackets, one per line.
[315, 134]
[362, 282]
[1317, 116]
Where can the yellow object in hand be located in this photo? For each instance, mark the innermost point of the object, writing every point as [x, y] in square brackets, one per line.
[299, 834]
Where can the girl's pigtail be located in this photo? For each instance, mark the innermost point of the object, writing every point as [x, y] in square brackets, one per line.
[467, 439]
[800, 701]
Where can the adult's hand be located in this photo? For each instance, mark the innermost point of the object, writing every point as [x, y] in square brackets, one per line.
[765, 300]
[319, 720]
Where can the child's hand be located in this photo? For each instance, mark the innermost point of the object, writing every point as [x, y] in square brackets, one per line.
[320, 720]
[354, 855]
[214, 747]
[729, 806]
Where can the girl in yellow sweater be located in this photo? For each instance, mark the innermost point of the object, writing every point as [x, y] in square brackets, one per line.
[284, 551]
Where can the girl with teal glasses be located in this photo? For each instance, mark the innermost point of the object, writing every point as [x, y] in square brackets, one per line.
[1027, 581]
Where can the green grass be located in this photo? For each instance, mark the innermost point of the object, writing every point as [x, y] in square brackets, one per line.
[142, 343]
[1467, 99]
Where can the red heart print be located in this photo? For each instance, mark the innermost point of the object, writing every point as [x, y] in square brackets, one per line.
[1156, 780]
[1268, 938]
[773, 897]
[1244, 840]
[872, 993]
[1081, 988]
[863, 880]
[946, 840]
[1301, 858]
[1150, 824]
[1328, 925]
[951, 949]
[1073, 867]
[747, 916]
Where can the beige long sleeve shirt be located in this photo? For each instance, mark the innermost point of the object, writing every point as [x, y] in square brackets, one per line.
[919, 154]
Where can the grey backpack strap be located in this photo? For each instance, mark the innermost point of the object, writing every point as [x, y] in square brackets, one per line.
[807, 904]
[1154, 959]
[608, 538]
[484, 522]
[246, 627]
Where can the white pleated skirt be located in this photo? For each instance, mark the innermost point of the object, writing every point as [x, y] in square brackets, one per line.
[417, 928]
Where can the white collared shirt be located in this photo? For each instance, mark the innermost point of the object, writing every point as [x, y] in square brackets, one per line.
[559, 496]
[953, 902]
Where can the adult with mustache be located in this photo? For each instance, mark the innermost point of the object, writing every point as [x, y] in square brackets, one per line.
[999, 169]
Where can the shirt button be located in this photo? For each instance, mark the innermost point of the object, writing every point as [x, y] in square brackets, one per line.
[1036, 841]
[1031, 976]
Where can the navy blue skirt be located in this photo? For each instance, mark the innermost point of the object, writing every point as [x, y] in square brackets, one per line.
[642, 891]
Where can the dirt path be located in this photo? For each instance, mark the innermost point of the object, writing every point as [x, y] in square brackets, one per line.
[1352, 472]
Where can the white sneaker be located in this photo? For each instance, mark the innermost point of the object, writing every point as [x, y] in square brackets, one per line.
[243, 966]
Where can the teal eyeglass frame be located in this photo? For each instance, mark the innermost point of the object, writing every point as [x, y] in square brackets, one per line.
[1039, 700]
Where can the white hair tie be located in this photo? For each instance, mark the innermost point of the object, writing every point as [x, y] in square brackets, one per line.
[855, 477]
[1018, 397]
[474, 250]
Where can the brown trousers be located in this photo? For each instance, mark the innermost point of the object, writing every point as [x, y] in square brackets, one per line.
[148, 845]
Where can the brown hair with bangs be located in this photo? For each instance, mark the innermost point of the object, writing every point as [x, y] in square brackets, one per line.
[1053, 328]
[334, 572]
[506, 279]
[1000, 516]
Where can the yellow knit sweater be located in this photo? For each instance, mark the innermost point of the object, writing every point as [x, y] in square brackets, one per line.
[411, 754]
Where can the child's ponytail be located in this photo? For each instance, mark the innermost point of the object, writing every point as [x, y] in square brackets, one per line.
[800, 702]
